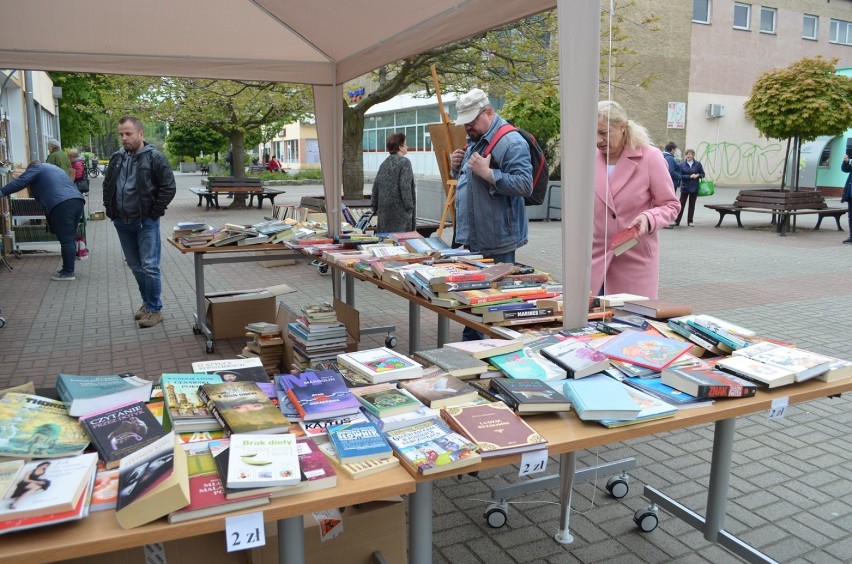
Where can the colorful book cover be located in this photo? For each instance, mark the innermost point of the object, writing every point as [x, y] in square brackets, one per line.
[80, 511]
[105, 493]
[638, 347]
[432, 447]
[388, 402]
[440, 390]
[656, 388]
[361, 469]
[86, 394]
[117, 432]
[233, 370]
[38, 427]
[318, 430]
[494, 427]
[48, 486]
[180, 394]
[256, 461]
[707, 383]
[381, 364]
[356, 442]
[244, 408]
[529, 363]
[652, 408]
[577, 357]
[321, 394]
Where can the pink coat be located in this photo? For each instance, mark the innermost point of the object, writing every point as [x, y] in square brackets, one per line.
[639, 183]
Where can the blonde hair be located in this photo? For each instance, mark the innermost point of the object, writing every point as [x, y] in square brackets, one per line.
[635, 135]
[73, 153]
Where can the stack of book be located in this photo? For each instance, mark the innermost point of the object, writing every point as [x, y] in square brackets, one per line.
[381, 365]
[87, 394]
[184, 410]
[26, 416]
[266, 343]
[317, 335]
[320, 395]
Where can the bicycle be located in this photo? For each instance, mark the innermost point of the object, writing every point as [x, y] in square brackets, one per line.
[94, 171]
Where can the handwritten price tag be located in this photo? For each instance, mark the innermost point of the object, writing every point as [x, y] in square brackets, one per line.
[779, 408]
[533, 462]
[244, 531]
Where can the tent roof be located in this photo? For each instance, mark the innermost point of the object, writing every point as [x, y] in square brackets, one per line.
[319, 42]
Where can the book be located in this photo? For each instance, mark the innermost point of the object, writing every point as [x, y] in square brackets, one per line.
[600, 397]
[653, 408]
[118, 431]
[440, 390]
[318, 430]
[236, 369]
[391, 422]
[670, 395]
[733, 336]
[361, 469]
[624, 240]
[658, 309]
[681, 326]
[529, 362]
[529, 395]
[105, 492]
[381, 364]
[38, 427]
[87, 394]
[242, 407]
[357, 442]
[43, 487]
[839, 370]
[80, 511]
[707, 382]
[453, 361]
[206, 492]
[617, 300]
[321, 394]
[804, 364]
[152, 482]
[766, 374]
[185, 411]
[256, 461]
[431, 447]
[9, 475]
[486, 348]
[643, 349]
[392, 401]
[494, 427]
[576, 357]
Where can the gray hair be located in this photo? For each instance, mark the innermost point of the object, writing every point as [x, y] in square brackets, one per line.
[635, 135]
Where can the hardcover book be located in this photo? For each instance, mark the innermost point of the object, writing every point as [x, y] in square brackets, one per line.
[257, 461]
[804, 364]
[87, 394]
[242, 407]
[392, 401]
[494, 427]
[321, 394]
[117, 432]
[152, 482]
[432, 447]
[624, 240]
[643, 349]
[234, 370]
[600, 397]
[670, 395]
[381, 364]
[440, 390]
[361, 469]
[50, 486]
[185, 410]
[452, 361]
[707, 383]
[766, 374]
[38, 427]
[577, 357]
[658, 309]
[486, 348]
[530, 395]
[357, 442]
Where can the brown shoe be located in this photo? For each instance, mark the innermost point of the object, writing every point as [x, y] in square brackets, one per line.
[150, 319]
[140, 313]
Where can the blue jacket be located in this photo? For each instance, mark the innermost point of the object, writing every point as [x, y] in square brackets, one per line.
[674, 169]
[49, 184]
[690, 185]
[847, 189]
[491, 218]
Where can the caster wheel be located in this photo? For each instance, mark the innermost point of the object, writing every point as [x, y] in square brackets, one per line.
[646, 519]
[322, 269]
[2, 322]
[496, 516]
[617, 486]
[390, 341]
[196, 330]
[209, 347]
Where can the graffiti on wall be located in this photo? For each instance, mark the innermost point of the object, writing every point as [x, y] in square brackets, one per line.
[742, 162]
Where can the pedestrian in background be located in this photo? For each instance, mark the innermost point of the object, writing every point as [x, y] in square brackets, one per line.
[847, 193]
[79, 166]
[691, 173]
[393, 197]
[674, 167]
[57, 157]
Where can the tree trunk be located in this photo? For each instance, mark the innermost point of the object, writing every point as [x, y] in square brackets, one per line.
[798, 146]
[786, 166]
[353, 153]
[237, 138]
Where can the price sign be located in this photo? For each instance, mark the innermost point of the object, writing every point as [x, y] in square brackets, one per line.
[244, 531]
[533, 462]
[778, 408]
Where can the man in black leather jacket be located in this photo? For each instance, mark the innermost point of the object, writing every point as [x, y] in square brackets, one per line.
[138, 187]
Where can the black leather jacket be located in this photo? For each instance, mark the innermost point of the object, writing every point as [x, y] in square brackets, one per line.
[155, 183]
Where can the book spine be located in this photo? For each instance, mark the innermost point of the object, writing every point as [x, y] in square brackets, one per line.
[214, 411]
[538, 312]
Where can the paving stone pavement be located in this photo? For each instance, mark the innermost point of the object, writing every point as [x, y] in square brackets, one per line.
[791, 478]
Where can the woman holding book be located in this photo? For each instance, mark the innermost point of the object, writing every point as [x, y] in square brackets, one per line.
[633, 189]
[393, 198]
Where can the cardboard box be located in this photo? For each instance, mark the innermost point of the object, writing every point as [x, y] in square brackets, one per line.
[367, 528]
[228, 313]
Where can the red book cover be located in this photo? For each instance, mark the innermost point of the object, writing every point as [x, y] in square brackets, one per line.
[494, 427]
[625, 240]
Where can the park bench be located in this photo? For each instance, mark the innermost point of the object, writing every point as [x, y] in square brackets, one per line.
[257, 168]
[205, 170]
[212, 197]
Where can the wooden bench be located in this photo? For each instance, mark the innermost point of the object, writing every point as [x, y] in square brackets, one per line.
[779, 217]
[257, 168]
[212, 198]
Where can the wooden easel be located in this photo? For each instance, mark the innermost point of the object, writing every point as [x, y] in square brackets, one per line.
[446, 137]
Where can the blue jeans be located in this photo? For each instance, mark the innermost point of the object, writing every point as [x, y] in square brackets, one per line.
[469, 334]
[140, 242]
[64, 219]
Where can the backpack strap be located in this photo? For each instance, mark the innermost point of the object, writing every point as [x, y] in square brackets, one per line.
[501, 131]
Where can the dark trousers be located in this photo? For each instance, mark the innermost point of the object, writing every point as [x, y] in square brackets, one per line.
[691, 215]
[64, 219]
[469, 334]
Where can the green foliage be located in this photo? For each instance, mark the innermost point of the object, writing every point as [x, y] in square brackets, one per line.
[309, 174]
[191, 140]
[79, 107]
[536, 109]
[805, 100]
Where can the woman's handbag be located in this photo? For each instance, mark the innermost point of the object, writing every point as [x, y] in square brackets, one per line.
[82, 185]
[706, 187]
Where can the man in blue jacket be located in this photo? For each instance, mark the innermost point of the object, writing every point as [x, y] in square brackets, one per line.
[674, 169]
[63, 204]
[847, 194]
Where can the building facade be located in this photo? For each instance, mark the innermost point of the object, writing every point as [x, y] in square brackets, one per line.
[20, 140]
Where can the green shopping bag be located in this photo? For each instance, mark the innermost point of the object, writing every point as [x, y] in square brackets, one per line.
[706, 187]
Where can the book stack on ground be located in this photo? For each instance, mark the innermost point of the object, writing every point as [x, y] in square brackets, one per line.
[87, 394]
[266, 343]
[317, 335]
[381, 365]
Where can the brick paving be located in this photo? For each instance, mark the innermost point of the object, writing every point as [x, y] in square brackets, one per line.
[790, 479]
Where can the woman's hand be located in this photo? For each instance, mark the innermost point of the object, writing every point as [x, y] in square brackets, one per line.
[643, 223]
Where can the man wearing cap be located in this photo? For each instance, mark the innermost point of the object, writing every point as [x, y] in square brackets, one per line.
[490, 215]
[57, 157]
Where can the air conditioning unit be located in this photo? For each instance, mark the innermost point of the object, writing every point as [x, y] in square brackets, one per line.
[715, 110]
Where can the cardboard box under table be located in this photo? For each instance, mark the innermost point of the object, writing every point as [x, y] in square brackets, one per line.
[228, 313]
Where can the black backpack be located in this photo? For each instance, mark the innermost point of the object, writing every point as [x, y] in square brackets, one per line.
[541, 174]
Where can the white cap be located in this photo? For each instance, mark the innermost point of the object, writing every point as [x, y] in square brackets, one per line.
[469, 106]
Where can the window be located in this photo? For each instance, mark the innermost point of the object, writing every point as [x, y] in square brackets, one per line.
[825, 157]
[742, 15]
[767, 19]
[810, 26]
[701, 11]
[840, 32]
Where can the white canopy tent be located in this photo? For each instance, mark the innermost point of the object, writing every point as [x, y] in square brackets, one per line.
[323, 43]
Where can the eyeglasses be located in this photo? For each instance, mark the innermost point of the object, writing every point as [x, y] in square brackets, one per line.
[470, 123]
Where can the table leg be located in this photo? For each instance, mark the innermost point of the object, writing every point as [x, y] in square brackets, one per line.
[443, 330]
[350, 289]
[420, 524]
[567, 467]
[291, 540]
[720, 467]
[200, 317]
[413, 327]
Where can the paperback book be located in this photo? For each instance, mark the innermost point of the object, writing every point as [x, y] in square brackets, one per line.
[643, 349]
[318, 430]
[50, 486]
[358, 442]
[670, 395]
[431, 447]
[119, 431]
[392, 422]
[658, 309]
[804, 364]
[242, 407]
[707, 383]
[765, 374]
[576, 357]
[38, 427]
[486, 348]
[381, 364]
[529, 362]
[234, 370]
[361, 469]
[529, 395]
[624, 240]
[87, 394]
[652, 408]
[321, 394]
[256, 461]
[391, 401]
[440, 390]
[600, 397]
[452, 361]
[80, 511]
[494, 427]
[185, 410]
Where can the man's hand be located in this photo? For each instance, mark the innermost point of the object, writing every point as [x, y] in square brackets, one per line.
[643, 223]
[481, 166]
[457, 157]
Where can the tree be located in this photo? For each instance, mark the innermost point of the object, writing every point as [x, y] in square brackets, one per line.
[80, 107]
[186, 140]
[536, 109]
[799, 103]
